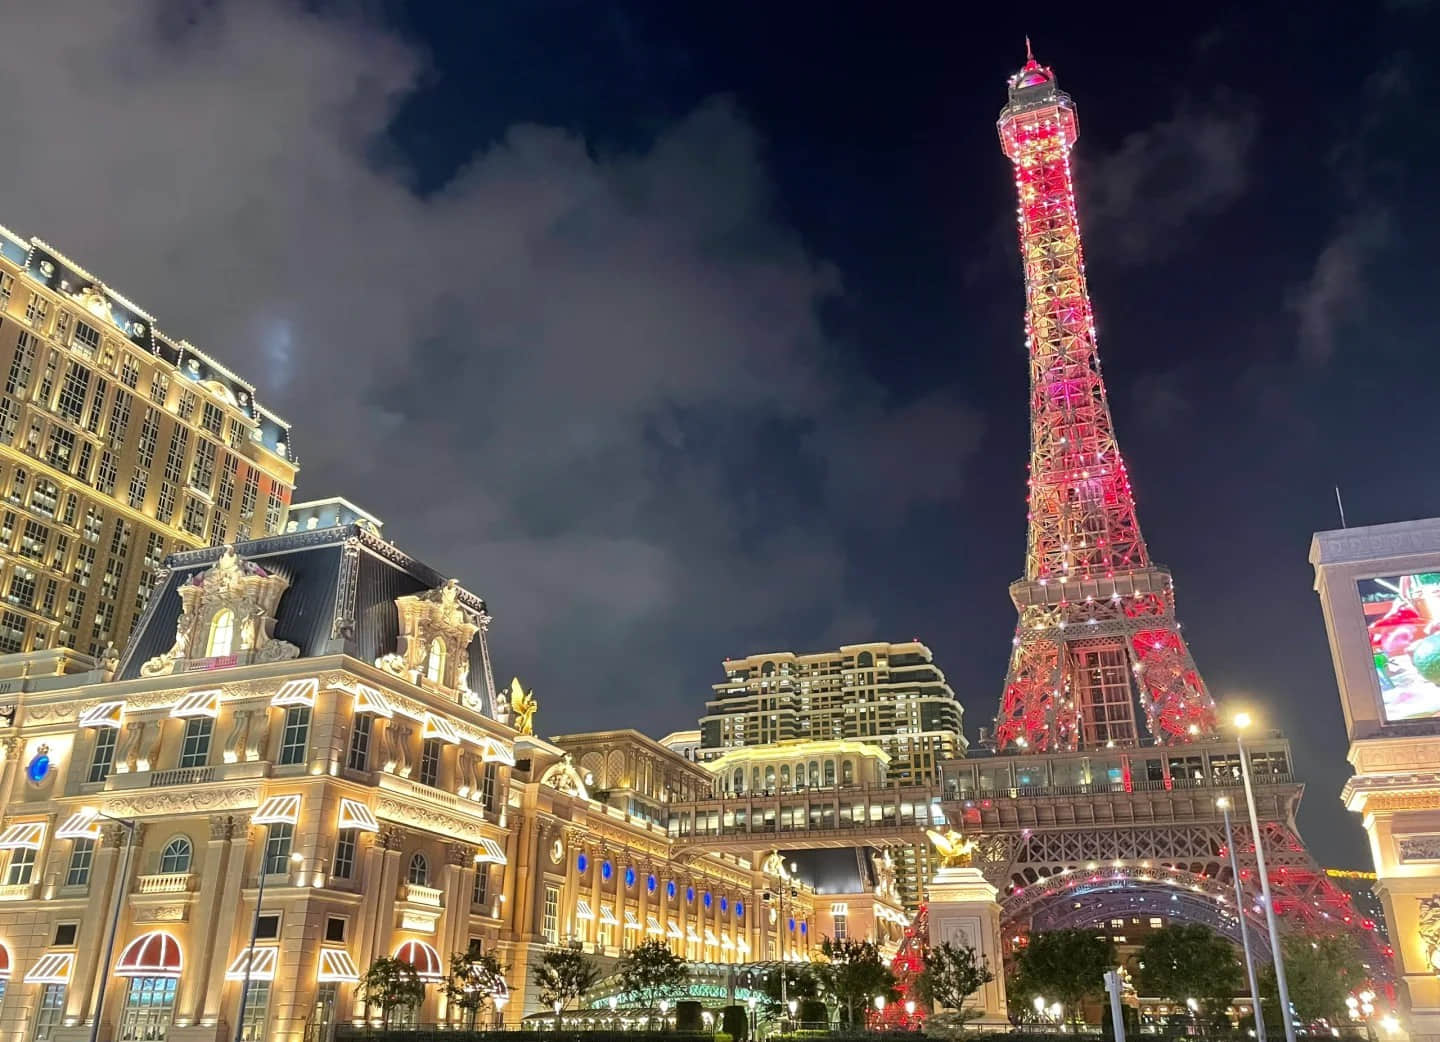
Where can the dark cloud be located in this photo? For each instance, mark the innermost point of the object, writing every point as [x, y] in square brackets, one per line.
[544, 371]
[1337, 289]
[1142, 197]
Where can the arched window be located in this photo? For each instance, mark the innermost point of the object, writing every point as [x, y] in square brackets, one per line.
[176, 856]
[419, 873]
[739, 779]
[222, 633]
[829, 772]
[435, 662]
[785, 775]
[847, 773]
[800, 776]
[769, 779]
[814, 774]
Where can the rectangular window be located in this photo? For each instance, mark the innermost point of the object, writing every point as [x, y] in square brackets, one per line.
[274, 504]
[249, 493]
[87, 456]
[225, 494]
[335, 929]
[175, 455]
[22, 588]
[186, 408]
[138, 480]
[211, 417]
[257, 1009]
[12, 633]
[218, 529]
[84, 564]
[359, 757]
[149, 1003]
[130, 372]
[73, 389]
[21, 868]
[82, 855]
[60, 449]
[45, 497]
[277, 847]
[7, 287]
[20, 366]
[193, 519]
[165, 504]
[550, 925]
[202, 467]
[487, 786]
[159, 388]
[87, 339]
[50, 1013]
[33, 540]
[195, 749]
[106, 474]
[841, 928]
[149, 436]
[295, 740]
[345, 846]
[430, 762]
[36, 310]
[480, 891]
[103, 758]
[97, 405]
[94, 522]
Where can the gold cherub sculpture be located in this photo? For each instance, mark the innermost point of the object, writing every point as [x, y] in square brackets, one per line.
[954, 849]
[522, 707]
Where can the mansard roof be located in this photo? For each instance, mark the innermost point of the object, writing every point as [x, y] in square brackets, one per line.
[341, 600]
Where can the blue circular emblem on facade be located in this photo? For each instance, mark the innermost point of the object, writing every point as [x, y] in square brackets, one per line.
[708, 899]
[629, 877]
[670, 889]
[803, 927]
[690, 895]
[792, 925]
[724, 904]
[581, 864]
[739, 909]
[38, 767]
[650, 884]
[606, 870]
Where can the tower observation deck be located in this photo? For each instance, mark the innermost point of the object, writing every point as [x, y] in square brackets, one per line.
[1097, 649]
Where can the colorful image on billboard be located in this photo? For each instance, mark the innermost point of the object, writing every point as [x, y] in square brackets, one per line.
[1402, 618]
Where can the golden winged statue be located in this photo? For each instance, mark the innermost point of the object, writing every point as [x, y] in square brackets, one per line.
[522, 707]
[954, 849]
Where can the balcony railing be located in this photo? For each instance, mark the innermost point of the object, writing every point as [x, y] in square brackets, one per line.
[421, 895]
[182, 776]
[16, 891]
[165, 883]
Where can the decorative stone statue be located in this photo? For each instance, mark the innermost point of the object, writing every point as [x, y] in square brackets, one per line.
[523, 706]
[954, 849]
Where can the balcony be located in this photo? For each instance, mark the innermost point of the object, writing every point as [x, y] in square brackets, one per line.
[416, 894]
[165, 883]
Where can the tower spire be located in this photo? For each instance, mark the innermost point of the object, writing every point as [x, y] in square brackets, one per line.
[1029, 54]
[1097, 625]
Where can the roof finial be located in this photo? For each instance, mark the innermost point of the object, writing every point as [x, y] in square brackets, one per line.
[1029, 54]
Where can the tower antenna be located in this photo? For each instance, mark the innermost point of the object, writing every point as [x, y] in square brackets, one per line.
[1341, 504]
[1029, 54]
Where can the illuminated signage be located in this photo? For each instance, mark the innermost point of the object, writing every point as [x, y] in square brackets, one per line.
[1402, 619]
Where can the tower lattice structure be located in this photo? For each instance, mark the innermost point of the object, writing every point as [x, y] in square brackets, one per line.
[1097, 616]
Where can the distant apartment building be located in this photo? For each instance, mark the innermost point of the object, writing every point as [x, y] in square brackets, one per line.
[119, 445]
[890, 695]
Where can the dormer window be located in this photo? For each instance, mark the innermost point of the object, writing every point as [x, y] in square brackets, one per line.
[222, 634]
[435, 662]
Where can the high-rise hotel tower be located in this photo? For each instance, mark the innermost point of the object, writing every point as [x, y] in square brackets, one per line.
[118, 445]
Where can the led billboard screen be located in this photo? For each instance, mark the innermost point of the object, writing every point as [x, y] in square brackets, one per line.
[1402, 620]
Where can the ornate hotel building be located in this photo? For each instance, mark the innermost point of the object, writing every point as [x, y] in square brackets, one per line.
[1379, 589]
[890, 695]
[303, 736]
[118, 445]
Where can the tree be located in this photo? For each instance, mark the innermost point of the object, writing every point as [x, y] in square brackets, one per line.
[391, 985]
[1321, 973]
[952, 974]
[800, 983]
[564, 974]
[1064, 966]
[1185, 961]
[474, 980]
[853, 974]
[651, 972]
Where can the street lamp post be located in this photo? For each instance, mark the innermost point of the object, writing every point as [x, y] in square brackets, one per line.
[1224, 803]
[255, 936]
[119, 899]
[1242, 721]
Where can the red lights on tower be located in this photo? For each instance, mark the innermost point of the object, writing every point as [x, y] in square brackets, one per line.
[1097, 622]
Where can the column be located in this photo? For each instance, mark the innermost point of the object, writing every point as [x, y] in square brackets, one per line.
[229, 901]
[95, 924]
[381, 927]
[452, 936]
[206, 912]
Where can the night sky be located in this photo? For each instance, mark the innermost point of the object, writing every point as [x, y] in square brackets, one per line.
[685, 330]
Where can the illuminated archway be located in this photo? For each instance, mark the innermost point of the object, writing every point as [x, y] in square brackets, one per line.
[1083, 897]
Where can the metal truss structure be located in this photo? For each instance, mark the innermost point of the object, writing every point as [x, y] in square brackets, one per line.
[1097, 616]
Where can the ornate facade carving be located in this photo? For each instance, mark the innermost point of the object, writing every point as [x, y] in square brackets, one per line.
[228, 611]
[435, 634]
[1429, 927]
[1419, 848]
[461, 855]
[390, 837]
[430, 819]
[564, 777]
[180, 801]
